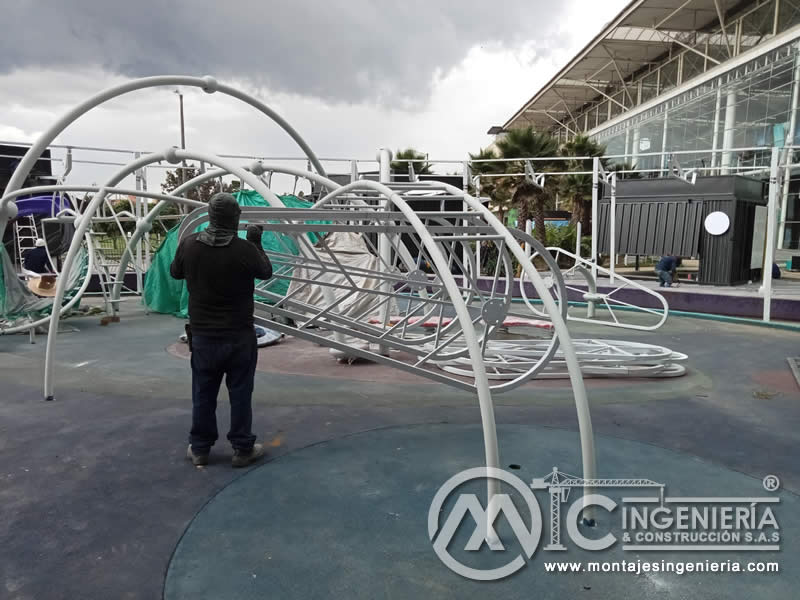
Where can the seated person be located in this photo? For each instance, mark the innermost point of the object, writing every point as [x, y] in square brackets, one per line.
[776, 271]
[667, 270]
[36, 259]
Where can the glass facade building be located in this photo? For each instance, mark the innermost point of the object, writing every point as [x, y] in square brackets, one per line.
[718, 96]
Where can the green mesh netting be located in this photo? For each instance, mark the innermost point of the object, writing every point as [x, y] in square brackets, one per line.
[163, 294]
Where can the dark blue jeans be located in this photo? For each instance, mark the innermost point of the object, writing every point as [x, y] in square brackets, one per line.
[235, 358]
[665, 278]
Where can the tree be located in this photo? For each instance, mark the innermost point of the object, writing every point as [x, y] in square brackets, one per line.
[499, 194]
[400, 162]
[491, 185]
[529, 199]
[620, 168]
[577, 187]
[202, 192]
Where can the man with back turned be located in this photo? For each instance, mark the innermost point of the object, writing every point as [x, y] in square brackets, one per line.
[220, 270]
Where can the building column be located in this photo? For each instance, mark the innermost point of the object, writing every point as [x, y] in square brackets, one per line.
[789, 141]
[728, 131]
[715, 139]
[627, 143]
[635, 146]
[664, 144]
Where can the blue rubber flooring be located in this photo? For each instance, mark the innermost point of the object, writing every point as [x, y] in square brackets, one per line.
[348, 519]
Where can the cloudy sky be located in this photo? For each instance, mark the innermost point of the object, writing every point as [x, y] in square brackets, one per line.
[349, 75]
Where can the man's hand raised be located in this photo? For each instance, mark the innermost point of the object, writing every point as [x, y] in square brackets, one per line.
[254, 234]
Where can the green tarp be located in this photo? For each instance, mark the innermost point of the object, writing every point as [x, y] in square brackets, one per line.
[17, 302]
[163, 294]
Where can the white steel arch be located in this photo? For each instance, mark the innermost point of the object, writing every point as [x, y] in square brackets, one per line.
[208, 84]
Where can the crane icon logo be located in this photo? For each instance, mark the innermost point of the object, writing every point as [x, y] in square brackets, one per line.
[653, 522]
[558, 486]
[528, 537]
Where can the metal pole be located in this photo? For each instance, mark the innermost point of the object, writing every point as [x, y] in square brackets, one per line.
[529, 231]
[147, 209]
[715, 135]
[664, 144]
[384, 246]
[727, 134]
[612, 226]
[207, 84]
[183, 130]
[139, 212]
[183, 142]
[578, 239]
[171, 155]
[627, 143]
[769, 252]
[789, 141]
[595, 192]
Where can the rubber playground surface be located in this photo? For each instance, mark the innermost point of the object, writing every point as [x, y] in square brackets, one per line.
[100, 502]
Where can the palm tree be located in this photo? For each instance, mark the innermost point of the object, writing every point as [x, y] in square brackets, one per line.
[577, 187]
[400, 162]
[529, 198]
[625, 166]
[499, 194]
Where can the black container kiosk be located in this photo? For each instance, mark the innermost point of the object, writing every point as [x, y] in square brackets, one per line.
[662, 216]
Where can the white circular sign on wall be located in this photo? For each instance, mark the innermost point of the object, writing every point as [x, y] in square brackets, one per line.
[717, 223]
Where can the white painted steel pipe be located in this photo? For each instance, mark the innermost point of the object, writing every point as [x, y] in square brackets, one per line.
[560, 326]
[769, 251]
[171, 155]
[207, 84]
[384, 245]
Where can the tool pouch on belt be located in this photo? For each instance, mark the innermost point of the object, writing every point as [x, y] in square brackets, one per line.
[188, 329]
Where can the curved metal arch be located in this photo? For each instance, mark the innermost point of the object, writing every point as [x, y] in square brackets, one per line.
[172, 155]
[96, 188]
[68, 305]
[517, 235]
[559, 323]
[141, 229]
[462, 313]
[144, 226]
[207, 84]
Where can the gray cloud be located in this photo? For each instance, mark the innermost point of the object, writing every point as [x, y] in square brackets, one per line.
[341, 51]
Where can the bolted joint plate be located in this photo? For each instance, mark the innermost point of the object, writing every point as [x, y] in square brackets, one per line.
[493, 311]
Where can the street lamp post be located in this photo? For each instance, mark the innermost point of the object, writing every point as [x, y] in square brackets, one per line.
[183, 140]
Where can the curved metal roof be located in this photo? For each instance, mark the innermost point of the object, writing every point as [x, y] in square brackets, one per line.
[640, 35]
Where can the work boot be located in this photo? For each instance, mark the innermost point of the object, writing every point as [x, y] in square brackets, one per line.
[245, 459]
[198, 460]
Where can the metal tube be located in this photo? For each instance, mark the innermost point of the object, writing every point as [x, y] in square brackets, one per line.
[529, 231]
[81, 229]
[728, 131]
[207, 83]
[612, 226]
[715, 135]
[462, 312]
[789, 141]
[560, 327]
[172, 155]
[595, 200]
[75, 299]
[664, 143]
[769, 251]
[384, 245]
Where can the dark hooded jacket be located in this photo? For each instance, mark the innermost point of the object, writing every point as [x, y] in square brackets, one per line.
[220, 270]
